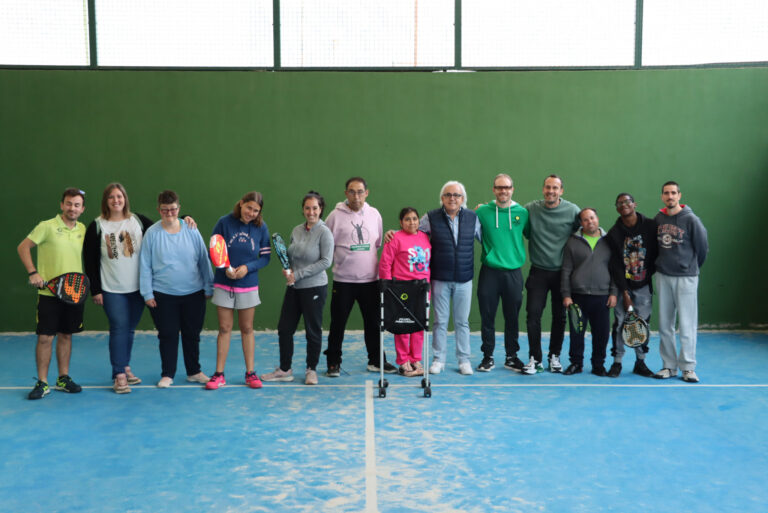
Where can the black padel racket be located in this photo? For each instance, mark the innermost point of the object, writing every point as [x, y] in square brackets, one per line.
[576, 319]
[72, 288]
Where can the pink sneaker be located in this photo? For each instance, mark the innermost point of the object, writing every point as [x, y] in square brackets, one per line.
[216, 382]
[252, 380]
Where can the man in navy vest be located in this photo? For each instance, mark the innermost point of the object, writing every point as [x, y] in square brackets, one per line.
[452, 229]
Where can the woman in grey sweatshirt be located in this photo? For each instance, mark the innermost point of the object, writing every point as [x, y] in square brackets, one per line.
[310, 253]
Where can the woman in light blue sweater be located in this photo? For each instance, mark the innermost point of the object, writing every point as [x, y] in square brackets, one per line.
[175, 278]
[310, 253]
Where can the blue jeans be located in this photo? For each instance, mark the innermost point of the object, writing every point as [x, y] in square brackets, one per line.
[124, 313]
[442, 293]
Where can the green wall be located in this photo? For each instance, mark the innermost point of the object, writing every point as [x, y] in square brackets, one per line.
[212, 136]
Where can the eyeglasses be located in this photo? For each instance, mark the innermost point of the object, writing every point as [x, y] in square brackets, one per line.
[623, 203]
[503, 187]
[355, 193]
[454, 195]
[172, 210]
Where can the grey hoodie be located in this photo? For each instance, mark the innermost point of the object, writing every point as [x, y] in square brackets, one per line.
[682, 242]
[586, 271]
[310, 253]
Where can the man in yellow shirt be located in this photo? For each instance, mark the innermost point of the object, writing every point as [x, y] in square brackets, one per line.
[59, 243]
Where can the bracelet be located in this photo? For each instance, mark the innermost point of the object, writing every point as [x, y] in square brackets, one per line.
[33, 272]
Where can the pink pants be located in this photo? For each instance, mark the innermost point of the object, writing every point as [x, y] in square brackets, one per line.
[408, 347]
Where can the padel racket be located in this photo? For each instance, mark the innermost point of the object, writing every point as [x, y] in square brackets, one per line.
[634, 330]
[576, 319]
[71, 288]
[281, 250]
[218, 250]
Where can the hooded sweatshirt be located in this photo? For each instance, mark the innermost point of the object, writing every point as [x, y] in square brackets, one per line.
[247, 244]
[585, 271]
[682, 241]
[357, 237]
[502, 229]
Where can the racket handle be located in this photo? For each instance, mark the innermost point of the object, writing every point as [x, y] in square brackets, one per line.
[630, 309]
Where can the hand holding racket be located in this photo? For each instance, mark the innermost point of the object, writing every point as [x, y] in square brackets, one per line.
[634, 330]
[282, 254]
[71, 288]
[218, 250]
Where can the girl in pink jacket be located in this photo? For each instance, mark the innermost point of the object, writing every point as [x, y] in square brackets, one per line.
[406, 257]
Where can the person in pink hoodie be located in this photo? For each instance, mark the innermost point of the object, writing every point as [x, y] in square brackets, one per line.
[406, 257]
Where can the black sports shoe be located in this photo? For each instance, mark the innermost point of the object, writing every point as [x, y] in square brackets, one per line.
[486, 365]
[573, 369]
[334, 371]
[41, 390]
[615, 370]
[599, 371]
[65, 384]
[513, 363]
[642, 369]
[389, 368]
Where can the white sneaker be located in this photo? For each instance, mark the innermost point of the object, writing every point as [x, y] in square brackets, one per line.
[665, 374]
[437, 367]
[531, 367]
[554, 364]
[164, 382]
[690, 376]
[465, 369]
[198, 378]
[278, 375]
[310, 378]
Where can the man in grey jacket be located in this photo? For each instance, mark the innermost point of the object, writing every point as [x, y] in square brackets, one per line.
[586, 281]
[683, 247]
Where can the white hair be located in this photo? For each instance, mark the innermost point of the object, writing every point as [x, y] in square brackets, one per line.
[459, 185]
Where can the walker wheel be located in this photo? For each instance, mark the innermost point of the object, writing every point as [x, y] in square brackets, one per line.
[428, 392]
[382, 392]
[383, 383]
[423, 382]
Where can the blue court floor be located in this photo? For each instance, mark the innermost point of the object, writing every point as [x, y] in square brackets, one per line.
[497, 441]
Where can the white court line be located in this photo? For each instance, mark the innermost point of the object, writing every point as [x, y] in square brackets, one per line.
[371, 501]
[433, 385]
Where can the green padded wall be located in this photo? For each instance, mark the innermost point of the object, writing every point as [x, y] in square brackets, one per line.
[212, 136]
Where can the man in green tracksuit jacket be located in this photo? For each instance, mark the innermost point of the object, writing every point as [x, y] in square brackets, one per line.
[503, 222]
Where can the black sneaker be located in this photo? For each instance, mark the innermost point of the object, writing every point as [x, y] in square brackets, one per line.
[334, 371]
[389, 368]
[65, 384]
[513, 363]
[41, 390]
[642, 369]
[615, 370]
[486, 365]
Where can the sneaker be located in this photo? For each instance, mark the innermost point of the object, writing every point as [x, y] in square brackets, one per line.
[465, 369]
[65, 384]
[132, 378]
[486, 365]
[334, 371]
[198, 378]
[388, 368]
[405, 369]
[513, 363]
[436, 367]
[554, 363]
[121, 384]
[615, 370]
[642, 369]
[252, 379]
[310, 377]
[164, 382]
[41, 390]
[690, 376]
[217, 381]
[574, 368]
[532, 367]
[665, 374]
[599, 370]
[278, 375]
